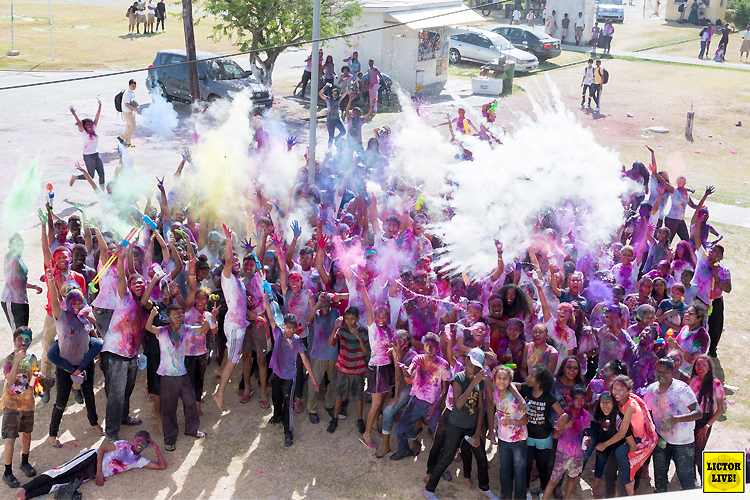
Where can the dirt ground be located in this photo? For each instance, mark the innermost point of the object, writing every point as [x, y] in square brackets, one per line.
[243, 457]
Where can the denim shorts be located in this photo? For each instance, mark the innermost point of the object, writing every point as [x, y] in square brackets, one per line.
[540, 444]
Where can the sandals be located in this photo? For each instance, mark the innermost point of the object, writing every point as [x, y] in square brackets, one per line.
[244, 399]
[371, 444]
[264, 403]
[169, 447]
[298, 408]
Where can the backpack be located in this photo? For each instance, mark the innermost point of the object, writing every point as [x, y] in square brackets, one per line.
[605, 75]
[127, 14]
[118, 101]
[681, 8]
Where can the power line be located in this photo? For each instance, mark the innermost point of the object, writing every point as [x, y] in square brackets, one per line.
[285, 46]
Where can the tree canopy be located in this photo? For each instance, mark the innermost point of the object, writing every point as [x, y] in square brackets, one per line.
[253, 24]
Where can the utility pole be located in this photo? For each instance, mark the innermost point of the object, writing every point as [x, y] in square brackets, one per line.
[12, 51]
[187, 23]
[315, 66]
[51, 41]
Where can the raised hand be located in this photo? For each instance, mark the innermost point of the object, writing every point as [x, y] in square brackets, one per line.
[296, 229]
[42, 216]
[276, 239]
[291, 141]
[247, 245]
[160, 184]
[227, 231]
[99, 101]
[72, 110]
[709, 190]
[323, 242]
[257, 235]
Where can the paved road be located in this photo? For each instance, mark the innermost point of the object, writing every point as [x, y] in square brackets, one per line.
[647, 56]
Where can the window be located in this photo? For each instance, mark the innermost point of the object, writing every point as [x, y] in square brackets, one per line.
[484, 42]
[224, 69]
[175, 59]
[502, 31]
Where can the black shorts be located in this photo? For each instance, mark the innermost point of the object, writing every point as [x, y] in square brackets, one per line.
[15, 421]
[380, 379]
[153, 379]
[348, 386]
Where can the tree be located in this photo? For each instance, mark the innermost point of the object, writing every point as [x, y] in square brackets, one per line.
[741, 14]
[253, 24]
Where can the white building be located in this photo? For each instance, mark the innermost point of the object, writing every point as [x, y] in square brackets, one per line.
[572, 8]
[411, 54]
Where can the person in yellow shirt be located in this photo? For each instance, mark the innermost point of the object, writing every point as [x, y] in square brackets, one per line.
[598, 83]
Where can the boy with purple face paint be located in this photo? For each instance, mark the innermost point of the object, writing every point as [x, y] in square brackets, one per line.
[109, 459]
[322, 355]
[175, 382]
[287, 346]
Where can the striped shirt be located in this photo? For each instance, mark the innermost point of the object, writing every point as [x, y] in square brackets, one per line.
[351, 359]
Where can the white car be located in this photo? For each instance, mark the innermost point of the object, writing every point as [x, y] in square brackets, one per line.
[484, 46]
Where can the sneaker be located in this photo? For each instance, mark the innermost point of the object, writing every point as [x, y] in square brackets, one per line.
[274, 420]
[330, 412]
[28, 470]
[361, 426]
[78, 396]
[288, 441]
[528, 495]
[11, 481]
[596, 109]
[132, 421]
[541, 496]
[332, 426]
[45, 397]
[314, 418]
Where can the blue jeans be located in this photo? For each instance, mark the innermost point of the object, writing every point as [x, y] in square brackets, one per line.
[334, 125]
[390, 411]
[682, 454]
[415, 409]
[95, 346]
[513, 470]
[703, 49]
[621, 453]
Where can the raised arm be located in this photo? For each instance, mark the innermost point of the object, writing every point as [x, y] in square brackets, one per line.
[43, 217]
[203, 229]
[98, 113]
[166, 212]
[150, 322]
[178, 265]
[86, 176]
[366, 299]
[652, 167]
[553, 281]
[78, 120]
[498, 272]
[320, 256]
[228, 255]
[54, 296]
[122, 282]
[192, 285]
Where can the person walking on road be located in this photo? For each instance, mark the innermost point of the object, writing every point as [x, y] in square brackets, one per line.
[598, 83]
[530, 18]
[588, 82]
[129, 109]
[517, 15]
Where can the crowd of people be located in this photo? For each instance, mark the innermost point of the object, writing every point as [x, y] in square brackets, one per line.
[565, 353]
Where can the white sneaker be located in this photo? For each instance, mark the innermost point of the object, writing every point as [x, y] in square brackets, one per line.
[528, 495]
[595, 109]
[541, 496]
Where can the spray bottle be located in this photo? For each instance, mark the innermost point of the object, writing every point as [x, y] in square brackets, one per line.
[50, 194]
[275, 309]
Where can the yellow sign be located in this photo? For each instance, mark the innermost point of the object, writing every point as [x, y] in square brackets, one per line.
[723, 472]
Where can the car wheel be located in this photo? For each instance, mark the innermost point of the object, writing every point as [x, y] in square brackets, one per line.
[454, 56]
[162, 91]
[213, 98]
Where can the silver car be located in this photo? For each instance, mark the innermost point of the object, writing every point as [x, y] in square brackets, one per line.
[219, 78]
[483, 46]
[610, 10]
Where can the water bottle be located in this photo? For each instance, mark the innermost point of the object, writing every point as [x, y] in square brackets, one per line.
[142, 362]
[278, 318]
[469, 439]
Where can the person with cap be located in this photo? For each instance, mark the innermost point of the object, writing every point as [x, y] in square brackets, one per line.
[464, 422]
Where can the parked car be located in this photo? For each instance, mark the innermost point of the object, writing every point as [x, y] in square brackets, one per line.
[219, 78]
[610, 10]
[532, 40]
[483, 46]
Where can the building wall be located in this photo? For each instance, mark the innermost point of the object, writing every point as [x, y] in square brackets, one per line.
[573, 7]
[716, 10]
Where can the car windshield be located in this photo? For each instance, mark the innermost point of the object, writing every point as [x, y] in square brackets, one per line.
[500, 42]
[611, 2]
[223, 69]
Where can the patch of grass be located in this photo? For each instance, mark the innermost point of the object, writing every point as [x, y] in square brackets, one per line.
[662, 94]
[91, 37]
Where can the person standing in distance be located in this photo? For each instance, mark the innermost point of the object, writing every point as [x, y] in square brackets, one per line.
[129, 109]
